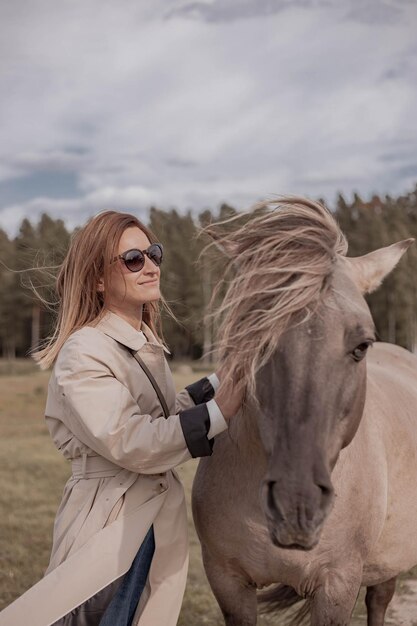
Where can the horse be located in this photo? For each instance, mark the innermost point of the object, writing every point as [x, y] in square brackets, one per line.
[311, 493]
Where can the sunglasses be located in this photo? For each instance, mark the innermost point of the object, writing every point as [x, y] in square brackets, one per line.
[134, 259]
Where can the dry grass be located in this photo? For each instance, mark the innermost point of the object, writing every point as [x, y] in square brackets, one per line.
[33, 476]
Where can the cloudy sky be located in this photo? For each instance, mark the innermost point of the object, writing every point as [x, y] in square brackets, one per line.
[131, 103]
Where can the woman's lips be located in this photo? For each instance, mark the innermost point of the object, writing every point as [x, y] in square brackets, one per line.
[150, 282]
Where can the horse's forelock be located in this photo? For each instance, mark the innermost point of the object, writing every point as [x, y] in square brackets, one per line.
[282, 257]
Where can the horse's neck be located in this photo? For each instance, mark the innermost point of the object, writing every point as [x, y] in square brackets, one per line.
[244, 432]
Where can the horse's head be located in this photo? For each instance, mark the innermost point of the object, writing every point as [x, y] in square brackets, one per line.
[311, 396]
[296, 326]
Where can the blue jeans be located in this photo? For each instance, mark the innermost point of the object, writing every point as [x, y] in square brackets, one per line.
[122, 607]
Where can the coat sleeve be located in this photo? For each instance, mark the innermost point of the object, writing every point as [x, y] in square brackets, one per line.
[101, 412]
[197, 393]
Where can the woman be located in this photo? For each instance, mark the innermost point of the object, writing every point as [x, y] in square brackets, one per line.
[120, 547]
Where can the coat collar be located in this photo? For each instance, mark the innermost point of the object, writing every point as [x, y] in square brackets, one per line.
[115, 326]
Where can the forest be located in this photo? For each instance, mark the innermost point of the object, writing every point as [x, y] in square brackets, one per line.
[188, 278]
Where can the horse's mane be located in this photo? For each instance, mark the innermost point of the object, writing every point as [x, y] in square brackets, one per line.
[281, 257]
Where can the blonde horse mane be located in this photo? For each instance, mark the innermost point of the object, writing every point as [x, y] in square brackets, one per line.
[281, 257]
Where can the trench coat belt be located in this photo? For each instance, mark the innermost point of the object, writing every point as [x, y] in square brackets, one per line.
[93, 467]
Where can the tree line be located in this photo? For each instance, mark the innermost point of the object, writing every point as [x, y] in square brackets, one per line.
[188, 278]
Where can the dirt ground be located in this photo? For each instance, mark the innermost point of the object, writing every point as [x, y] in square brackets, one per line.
[403, 607]
[32, 477]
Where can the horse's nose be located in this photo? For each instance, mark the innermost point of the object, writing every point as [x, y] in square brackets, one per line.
[302, 507]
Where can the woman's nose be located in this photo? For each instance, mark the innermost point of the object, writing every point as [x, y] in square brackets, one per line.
[150, 267]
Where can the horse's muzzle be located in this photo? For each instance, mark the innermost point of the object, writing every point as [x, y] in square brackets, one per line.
[295, 517]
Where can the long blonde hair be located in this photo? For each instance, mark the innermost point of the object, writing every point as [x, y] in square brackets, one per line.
[91, 250]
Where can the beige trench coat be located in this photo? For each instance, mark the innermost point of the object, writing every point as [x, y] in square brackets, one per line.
[101, 411]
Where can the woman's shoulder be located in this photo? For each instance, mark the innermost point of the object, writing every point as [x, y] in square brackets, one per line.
[87, 343]
[86, 336]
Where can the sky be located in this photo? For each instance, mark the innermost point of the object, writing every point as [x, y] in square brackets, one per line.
[128, 104]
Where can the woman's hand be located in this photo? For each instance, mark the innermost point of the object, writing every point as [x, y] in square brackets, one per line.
[229, 395]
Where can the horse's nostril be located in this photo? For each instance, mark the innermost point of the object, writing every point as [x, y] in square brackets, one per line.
[270, 501]
[270, 495]
[326, 494]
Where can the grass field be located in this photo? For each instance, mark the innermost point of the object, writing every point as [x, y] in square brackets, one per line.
[33, 474]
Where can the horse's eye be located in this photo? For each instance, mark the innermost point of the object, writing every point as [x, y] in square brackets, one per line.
[360, 350]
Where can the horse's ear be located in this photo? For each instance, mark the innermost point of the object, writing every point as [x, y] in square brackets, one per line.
[369, 270]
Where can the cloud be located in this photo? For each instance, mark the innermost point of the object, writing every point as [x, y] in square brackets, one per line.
[368, 11]
[54, 160]
[186, 104]
[75, 211]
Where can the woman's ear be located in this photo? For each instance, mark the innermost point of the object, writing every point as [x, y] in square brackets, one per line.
[100, 285]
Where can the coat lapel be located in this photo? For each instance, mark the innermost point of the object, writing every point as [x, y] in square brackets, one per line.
[118, 328]
[144, 343]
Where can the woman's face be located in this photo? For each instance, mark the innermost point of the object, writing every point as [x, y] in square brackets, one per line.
[129, 290]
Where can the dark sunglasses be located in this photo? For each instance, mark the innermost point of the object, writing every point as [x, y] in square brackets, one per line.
[134, 259]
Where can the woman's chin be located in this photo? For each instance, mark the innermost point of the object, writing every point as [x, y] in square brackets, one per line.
[151, 294]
